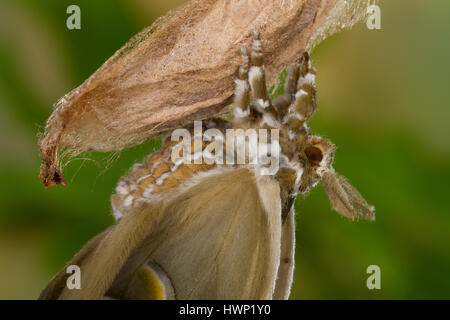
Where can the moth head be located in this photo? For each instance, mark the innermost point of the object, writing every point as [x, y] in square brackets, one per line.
[317, 156]
[319, 153]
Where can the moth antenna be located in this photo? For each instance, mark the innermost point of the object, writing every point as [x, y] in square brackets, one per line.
[344, 198]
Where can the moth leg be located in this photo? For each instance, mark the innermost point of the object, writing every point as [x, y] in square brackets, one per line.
[252, 104]
[242, 89]
[256, 75]
[304, 100]
[261, 105]
[283, 102]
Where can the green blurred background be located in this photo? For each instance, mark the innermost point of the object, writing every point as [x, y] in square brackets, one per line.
[383, 99]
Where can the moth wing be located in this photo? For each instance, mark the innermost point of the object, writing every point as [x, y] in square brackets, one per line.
[345, 199]
[101, 266]
[147, 282]
[287, 258]
[222, 239]
[216, 239]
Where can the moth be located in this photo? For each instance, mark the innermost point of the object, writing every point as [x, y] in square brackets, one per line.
[181, 69]
[217, 231]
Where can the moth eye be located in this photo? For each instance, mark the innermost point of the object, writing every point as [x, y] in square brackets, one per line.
[314, 155]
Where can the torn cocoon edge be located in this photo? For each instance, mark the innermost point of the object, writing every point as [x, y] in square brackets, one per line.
[344, 15]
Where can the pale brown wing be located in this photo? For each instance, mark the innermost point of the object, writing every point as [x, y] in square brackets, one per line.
[217, 239]
[57, 284]
[225, 244]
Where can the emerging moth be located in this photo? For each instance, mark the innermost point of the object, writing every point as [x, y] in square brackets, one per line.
[217, 231]
[181, 69]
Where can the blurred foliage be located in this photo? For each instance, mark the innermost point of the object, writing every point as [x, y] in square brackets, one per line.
[383, 99]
